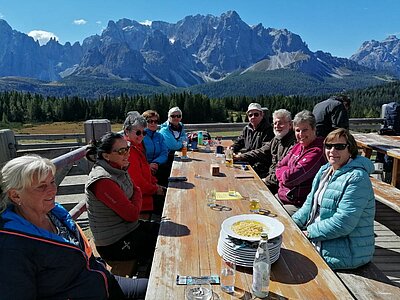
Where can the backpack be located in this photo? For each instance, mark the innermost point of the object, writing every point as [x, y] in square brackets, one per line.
[392, 117]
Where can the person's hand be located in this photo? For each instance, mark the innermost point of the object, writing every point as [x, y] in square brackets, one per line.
[305, 232]
[160, 190]
[237, 157]
[153, 167]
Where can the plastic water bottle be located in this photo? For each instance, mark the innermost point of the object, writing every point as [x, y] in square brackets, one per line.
[200, 138]
[261, 268]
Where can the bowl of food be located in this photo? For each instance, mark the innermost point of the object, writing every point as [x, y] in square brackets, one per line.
[248, 227]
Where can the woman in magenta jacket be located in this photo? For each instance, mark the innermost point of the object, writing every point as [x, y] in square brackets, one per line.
[296, 171]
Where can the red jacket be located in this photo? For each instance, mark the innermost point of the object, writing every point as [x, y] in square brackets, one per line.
[140, 172]
[296, 171]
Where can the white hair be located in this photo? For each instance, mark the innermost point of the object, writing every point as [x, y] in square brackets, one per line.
[20, 172]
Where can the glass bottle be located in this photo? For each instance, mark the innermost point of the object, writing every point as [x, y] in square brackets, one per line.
[229, 158]
[200, 138]
[261, 268]
[184, 149]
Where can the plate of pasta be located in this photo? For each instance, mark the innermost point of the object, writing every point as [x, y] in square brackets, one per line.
[249, 227]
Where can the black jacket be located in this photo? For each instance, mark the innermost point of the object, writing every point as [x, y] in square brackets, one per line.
[269, 155]
[330, 115]
[36, 264]
[252, 139]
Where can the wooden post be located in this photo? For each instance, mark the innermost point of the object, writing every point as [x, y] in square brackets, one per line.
[95, 129]
[7, 145]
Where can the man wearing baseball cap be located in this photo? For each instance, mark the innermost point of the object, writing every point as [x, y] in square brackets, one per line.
[255, 133]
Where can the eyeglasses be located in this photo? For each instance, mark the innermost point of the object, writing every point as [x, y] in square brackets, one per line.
[140, 132]
[336, 146]
[175, 116]
[253, 114]
[150, 121]
[122, 151]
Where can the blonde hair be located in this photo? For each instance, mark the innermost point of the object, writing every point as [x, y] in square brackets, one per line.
[20, 172]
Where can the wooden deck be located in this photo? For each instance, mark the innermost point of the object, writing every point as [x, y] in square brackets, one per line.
[387, 242]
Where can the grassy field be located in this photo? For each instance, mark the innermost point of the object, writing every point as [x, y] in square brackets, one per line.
[69, 127]
[57, 128]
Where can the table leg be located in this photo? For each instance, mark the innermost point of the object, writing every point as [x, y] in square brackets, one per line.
[396, 172]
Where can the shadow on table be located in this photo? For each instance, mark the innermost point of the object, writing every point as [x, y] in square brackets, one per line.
[169, 228]
[219, 207]
[188, 159]
[294, 268]
[244, 295]
[181, 185]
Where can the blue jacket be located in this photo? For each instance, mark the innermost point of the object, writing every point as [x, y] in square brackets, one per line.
[347, 211]
[37, 264]
[173, 143]
[156, 149]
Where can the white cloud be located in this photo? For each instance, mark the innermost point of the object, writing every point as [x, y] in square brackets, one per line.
[98, 22]
[1, 16]
[80, 22]
[146, 22]
[42, 36]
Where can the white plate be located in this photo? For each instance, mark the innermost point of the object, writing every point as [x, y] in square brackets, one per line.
[273, 226]
[243, 262]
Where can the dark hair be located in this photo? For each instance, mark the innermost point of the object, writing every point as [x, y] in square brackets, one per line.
[341, 132]
[342, 98]
[96, 148]
[151, 113]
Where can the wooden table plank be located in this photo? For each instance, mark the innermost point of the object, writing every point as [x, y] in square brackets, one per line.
[189, 233]
[385, 144]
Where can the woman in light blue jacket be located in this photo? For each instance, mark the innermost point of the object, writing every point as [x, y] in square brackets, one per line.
[173, 130]
[338, 215]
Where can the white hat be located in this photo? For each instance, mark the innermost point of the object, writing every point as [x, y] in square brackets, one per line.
[174, 109]
[254, 106]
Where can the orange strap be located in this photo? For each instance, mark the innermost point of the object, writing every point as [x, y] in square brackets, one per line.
[88, 249]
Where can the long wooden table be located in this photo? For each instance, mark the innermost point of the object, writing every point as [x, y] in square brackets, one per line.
[189, 232]
[385, 144]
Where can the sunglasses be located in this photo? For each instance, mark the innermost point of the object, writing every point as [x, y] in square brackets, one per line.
[122, 151]
[140, 132]
[336, 146]
[175, 116]
[149, 121]
[253, 114]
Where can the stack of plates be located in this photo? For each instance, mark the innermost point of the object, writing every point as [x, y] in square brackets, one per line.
[242, 249]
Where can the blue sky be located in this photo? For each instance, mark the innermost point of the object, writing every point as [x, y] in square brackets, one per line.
[338, 26]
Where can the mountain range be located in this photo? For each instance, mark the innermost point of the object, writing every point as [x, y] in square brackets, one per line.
[207, 54]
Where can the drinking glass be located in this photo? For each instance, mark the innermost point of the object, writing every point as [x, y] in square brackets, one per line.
[254, 204]
[228, 271]
[231, 190]
[211, 196]
[199, 291]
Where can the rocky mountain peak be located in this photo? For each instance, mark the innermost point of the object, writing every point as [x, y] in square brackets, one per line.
[382, 56]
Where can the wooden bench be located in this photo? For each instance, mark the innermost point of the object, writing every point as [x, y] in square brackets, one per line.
[122, 268]
[368, 282]
[386, 194]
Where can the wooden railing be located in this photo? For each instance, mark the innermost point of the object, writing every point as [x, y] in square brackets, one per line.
[356, 124]
[24, 141]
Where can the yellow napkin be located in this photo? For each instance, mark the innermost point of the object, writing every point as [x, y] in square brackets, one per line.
[226, 196]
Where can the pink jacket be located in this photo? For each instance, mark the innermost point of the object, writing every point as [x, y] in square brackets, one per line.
[296, 171]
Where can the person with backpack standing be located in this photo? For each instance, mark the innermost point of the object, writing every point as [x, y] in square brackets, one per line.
[332, 114]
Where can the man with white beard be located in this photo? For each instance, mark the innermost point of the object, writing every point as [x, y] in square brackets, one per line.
[273, 151]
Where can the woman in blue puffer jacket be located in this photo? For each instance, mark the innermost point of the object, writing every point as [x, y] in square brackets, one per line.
[338, 215]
